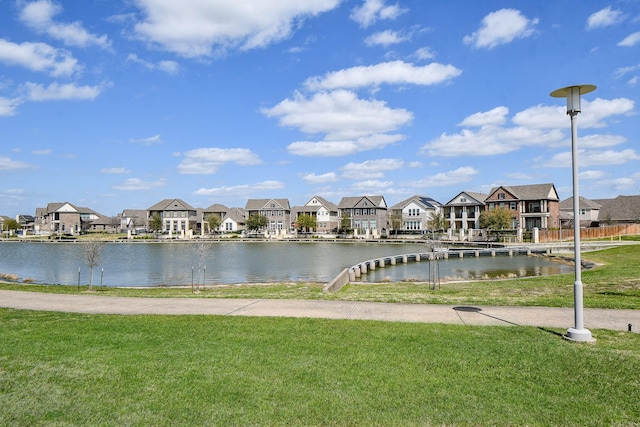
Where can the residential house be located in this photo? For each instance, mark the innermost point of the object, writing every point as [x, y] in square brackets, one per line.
[325, 213]
[178, 217]
[231, 219]
[368, 214]
[277, 212]
[532, 206]
[134, 220]
[63, 218]
[589, 211]
[106, 224]
[621, 210]
[416, 212]
[463, 211]
[27, 222]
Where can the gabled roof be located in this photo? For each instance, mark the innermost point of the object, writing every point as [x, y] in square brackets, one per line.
[584, 203]
[322, 201]
[236, 215]
[216, 208]
[425, 202]
[359, 201]
[134, 213]
[171, 205]
[622, 208]
[473, 199]
[259, 204]
[529, 192]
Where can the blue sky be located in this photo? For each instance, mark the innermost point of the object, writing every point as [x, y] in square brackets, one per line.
[119, 104]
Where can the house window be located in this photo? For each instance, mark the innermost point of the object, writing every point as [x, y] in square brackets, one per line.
[463, 199]
[501, 196]
[357, 211]
[514, 206]
[184, 214]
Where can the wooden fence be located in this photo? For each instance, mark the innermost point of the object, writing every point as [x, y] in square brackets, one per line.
[589, 233]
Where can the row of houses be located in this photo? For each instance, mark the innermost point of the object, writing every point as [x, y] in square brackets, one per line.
[532, 207]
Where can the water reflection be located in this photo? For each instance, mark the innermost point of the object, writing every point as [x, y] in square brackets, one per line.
[165, 264]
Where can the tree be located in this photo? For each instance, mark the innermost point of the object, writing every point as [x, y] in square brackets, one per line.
[496, 219]
[92, 253]
[345, 223]
[437, 221]
[395, 221]
[256, 222]
[155, 223]
[10, 225]
[213, 222]
[307, 223]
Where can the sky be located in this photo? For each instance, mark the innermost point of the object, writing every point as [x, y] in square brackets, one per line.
[119, 104]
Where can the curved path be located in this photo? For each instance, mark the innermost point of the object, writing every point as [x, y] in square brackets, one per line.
[427, 313]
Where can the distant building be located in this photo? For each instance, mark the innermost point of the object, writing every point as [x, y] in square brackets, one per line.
[416, 212]
[277, 212]
[532, 206]
[463, 211]
[178, 217]
[368, 214]
[325, 213]
[63, 218]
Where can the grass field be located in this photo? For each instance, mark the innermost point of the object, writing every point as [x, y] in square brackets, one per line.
[72, 369]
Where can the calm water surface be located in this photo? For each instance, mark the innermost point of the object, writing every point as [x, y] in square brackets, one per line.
[165, 264]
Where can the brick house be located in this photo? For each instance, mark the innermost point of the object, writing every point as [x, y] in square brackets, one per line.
[63, 218]
[532, 206]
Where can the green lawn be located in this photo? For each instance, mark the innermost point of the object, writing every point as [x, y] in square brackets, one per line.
[72, 369]
[615, 283]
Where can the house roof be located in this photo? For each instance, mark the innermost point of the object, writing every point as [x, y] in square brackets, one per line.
[134, 213]
[216, 208]
[584, 203]
[622, 208]
[171, 205]
[309, 207]
[425, 202]
[352, 202]
[236, 215]
[529, 192]
[476, 199]
[259, 204]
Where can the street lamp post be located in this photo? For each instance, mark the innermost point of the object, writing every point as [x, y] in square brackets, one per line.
[572, 94]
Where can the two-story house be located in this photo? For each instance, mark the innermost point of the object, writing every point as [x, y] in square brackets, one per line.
[463, 211]
[325, 213]
[277, 212]
[178, 217]
[588, 212]
[416, 213]
[231, 219]
[368, 214]
[532, 206]
[63, 218]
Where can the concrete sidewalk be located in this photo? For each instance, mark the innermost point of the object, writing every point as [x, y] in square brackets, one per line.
[426, 313]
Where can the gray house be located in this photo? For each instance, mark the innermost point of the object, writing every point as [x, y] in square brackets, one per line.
[368, 214]
[277, 212]
[415, 212]
[178, 217]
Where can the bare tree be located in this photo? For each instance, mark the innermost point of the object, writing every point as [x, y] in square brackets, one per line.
[201, 249]
[92, 253]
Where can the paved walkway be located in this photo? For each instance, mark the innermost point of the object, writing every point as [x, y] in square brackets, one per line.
[427, 313]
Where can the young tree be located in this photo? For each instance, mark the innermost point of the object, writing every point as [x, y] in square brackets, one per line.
[497, 219]
[92, 252]
[10, 226]
[256, 222]
[155, 223]
[307, 223]
[437, 221]
[345, 224]
[395, 221]
[213, 222]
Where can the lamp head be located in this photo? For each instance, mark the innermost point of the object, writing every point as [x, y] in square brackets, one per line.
[572, 93]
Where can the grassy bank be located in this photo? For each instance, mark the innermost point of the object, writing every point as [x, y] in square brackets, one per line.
[614, 283]
[71, 369]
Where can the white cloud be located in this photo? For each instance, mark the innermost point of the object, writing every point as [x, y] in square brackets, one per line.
[340, 114]
[501, 27]
[39, 57]
[600, 141]
[312, 178]
[56, 91]
[385, 38]
[136, 184]
[620, 72]
[43, 152]
[494, 117]
[373, 10]
[7, 164]
[342, 148]
[239, 189]
[193, 28]
[149, 141]
[589, 175]
[593, 158]
[209, 160]
[8, 106]
[631, 40]
[167, 66]
[445, 179]
[115, 171]
[425, 53]
[625, 184]
[372, 186]
[394, 72]
[39, 14]
[370, 169]
[604, 18]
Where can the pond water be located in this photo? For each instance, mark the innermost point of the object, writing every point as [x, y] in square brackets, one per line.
[176, 263]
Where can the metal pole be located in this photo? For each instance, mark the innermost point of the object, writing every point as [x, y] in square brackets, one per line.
[578, 332]
[78, 279]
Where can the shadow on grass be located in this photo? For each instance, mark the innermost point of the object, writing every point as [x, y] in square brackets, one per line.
[467, 309]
